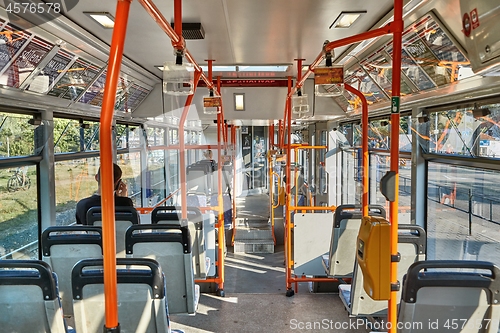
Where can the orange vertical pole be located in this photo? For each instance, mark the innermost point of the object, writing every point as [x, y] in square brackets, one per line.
[288, 215]
[299, 69]
[395, 118]
[271, 178]
[178, 17]
[182, 145]
[364, 146]
[280, 133]
[220, 206]
[285, 117]
[271, 135]
[271, 192]
[106, 173]
[210, 62]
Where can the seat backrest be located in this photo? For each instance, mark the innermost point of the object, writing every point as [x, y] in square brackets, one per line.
[347, 220]
[171, 215]
[140, 292]
[170, 246]
[29, 301]
[63, 247]
[125, 216]
[451, 296]
[411, 246]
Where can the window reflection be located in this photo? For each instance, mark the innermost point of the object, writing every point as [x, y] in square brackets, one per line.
[467, 199]
[472, 132]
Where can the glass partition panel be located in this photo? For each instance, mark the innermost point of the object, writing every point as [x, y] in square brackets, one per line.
[345, 134]
[134, 137]
[379, 166]
[173, 170]
[361, 81]
[173, 136]
[131, 168]
[322, 174]
[156, 136]
[357, 135]
[74, 80]
[12, 41]
[74, 180]
[51, 73]
[463, 213]
[405, 137]
[29, 59]
[95, 93]
[18, 213]
[378, 134]
[351, 178]
[155, 179]
[380, 70]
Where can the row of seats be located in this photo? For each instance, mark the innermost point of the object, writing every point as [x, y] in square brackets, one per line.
[198, 225]
[170, 244]
[30, 298]
[436, 296]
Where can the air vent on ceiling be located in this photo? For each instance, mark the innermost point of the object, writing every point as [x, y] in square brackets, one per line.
[191, 30]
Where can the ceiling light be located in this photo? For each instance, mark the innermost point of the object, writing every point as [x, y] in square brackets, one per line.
[105, 19]
[264, 68]
[239, 102]
[346, 19]
[220, 68]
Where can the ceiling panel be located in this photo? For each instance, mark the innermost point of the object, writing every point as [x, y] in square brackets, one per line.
[236, 31]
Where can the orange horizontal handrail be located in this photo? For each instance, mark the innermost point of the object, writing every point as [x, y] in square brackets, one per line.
[341, 42]
[176, 146]
[295, 208]
[310, 147]
[146, 210]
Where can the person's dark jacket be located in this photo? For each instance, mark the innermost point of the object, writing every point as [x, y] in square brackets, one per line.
[85, 204]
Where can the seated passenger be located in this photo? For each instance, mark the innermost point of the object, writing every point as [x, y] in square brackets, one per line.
[209, 157]
[121, 196]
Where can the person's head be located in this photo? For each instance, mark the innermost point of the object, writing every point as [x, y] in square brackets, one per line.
[208, 154]
[117, 174]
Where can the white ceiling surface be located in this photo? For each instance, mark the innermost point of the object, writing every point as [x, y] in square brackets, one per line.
[236, 31]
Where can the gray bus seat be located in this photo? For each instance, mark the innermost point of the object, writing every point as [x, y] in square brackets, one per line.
[411, 246]
[125, 216]
[451, 296]
[339, 262]
[195, 200]
[172, 215]
[171, 247]
[140, 291]
[63, 247]
[29, 299]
